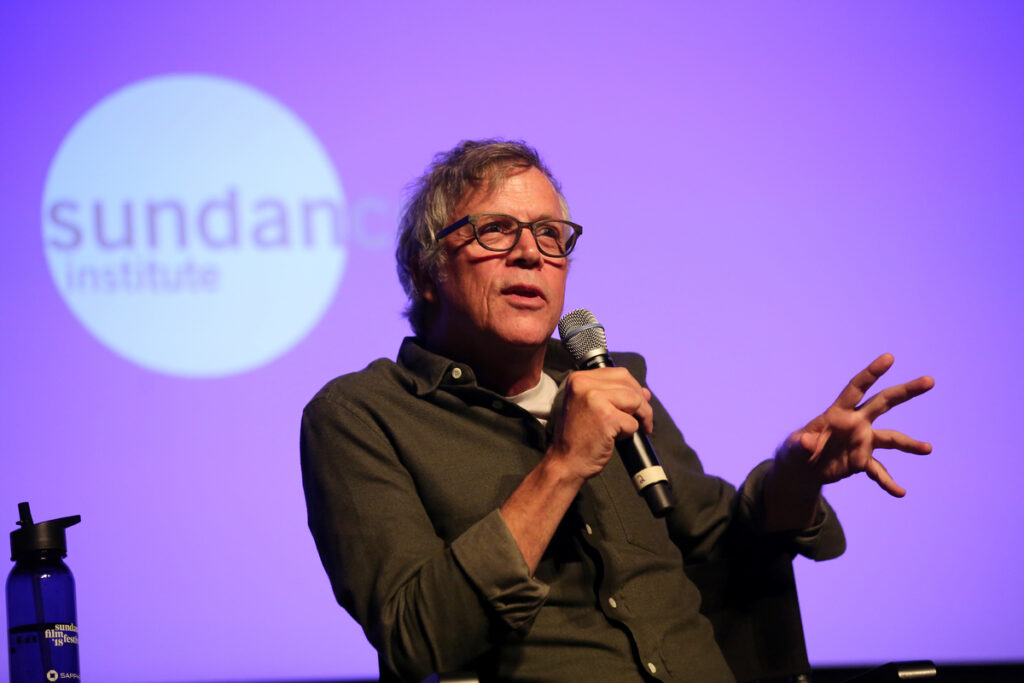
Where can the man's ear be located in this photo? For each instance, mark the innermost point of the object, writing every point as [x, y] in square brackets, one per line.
[424, 284]
[429, 290]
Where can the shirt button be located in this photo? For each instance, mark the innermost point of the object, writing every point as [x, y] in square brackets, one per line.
[590, 532]
[650, 667]
[497, 405]
[456, 373]
[611, 601]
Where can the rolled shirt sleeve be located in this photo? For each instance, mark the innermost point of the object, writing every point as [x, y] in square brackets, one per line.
[822, 540]
[489, 555]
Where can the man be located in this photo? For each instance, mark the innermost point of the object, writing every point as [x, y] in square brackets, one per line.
[466, 501]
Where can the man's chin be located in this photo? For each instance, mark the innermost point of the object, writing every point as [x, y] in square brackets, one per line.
[526, 337]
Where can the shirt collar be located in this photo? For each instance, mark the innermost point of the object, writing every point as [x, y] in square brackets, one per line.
[428, 370]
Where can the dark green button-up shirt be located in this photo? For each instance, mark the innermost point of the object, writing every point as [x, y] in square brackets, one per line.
[404, 468]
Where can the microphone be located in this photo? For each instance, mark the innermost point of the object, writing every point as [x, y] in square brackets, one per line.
[583, 337]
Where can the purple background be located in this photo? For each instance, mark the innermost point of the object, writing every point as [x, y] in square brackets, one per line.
[773, 195]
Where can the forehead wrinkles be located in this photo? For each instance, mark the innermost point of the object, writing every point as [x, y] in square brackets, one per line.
[489, 182]
[496, 176]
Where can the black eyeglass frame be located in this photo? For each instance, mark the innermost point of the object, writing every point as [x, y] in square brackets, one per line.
[472, 218]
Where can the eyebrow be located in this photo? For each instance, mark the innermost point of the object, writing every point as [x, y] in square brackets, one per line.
[543, 216]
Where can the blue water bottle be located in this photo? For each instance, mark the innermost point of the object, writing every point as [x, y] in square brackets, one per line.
[42, 631]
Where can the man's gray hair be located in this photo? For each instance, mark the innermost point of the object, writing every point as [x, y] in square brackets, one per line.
[452, 175]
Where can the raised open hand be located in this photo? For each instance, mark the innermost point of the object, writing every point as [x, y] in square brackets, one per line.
[842, 440]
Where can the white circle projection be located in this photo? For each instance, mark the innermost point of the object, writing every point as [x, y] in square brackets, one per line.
[194, 225]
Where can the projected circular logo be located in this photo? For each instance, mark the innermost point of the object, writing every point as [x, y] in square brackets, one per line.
[194, 225]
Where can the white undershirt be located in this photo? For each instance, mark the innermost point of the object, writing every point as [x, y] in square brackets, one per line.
[538, 400]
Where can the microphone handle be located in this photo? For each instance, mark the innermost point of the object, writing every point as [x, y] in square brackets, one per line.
[638, 456]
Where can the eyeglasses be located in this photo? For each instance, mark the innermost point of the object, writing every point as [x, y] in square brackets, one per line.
[499, 232]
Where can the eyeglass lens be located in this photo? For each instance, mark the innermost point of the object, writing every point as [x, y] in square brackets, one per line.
[498, 232]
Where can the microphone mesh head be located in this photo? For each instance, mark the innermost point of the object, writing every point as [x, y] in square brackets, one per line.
[582, 336]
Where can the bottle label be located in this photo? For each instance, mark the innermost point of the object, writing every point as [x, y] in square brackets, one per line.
[61, 634]
[58, 634]
[43, 652]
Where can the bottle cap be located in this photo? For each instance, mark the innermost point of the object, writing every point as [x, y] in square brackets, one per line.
[31, 538]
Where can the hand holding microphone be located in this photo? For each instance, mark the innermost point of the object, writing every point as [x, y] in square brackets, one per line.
[615, 411]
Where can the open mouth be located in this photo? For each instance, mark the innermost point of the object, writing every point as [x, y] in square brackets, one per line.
[527, 291]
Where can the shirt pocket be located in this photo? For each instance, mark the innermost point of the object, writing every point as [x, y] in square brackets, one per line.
[639, 526]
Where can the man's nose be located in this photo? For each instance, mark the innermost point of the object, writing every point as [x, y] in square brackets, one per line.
[526, 251]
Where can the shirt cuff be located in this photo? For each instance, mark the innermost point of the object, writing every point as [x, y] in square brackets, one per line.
[490, 557]
[822, 540]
